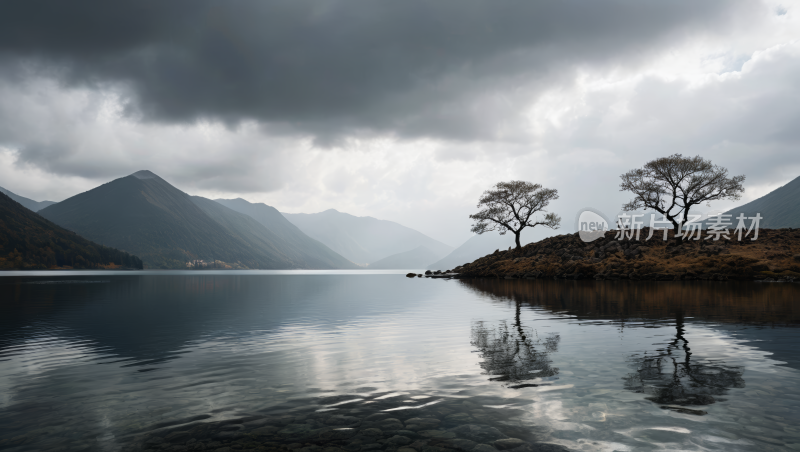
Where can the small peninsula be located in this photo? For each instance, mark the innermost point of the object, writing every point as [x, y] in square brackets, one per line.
[774, 256]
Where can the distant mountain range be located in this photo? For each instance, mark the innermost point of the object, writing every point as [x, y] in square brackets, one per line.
[145, 215]
[28, 203]
[476, 247]
[416, 259]
[30, 242]
[298, 245]
[779, 208]
[365, 240]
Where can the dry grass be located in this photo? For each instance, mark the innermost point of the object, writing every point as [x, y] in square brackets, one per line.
[771, 255]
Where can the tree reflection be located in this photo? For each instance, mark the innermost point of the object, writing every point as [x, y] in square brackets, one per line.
[514, 354]
[670, 377]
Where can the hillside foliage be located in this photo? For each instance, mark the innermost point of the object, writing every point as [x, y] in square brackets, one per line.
[30, 242]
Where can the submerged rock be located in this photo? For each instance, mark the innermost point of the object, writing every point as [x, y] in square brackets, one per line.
[450, 425]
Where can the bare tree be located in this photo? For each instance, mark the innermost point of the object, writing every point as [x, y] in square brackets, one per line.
[510, 206]
[673, 185]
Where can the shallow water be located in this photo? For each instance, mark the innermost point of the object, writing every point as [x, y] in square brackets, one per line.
[105, 360]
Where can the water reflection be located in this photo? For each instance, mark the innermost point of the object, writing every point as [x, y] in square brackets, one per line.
[730, 302]
[670, 377]
[95, 365]
[514, 354]
[755, 312]
[148, 321]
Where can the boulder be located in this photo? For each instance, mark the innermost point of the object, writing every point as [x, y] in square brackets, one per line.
[398, 440]
[478, 433]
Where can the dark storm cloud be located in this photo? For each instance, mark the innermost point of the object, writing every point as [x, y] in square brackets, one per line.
[411, 67]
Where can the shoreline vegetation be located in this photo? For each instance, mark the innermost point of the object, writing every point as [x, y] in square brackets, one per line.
[774, 256]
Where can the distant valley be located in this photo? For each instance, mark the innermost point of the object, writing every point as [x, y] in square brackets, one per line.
[28, 203]
[367, 240]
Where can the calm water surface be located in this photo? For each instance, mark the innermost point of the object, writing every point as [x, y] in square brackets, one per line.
[93, 361]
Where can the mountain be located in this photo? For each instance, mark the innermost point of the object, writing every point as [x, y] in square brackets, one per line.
[28, 203]
[477, 246]
[779, 208]
[363, 240]
[418, 258]
[145, 215]
[298, 245]
[30, 242]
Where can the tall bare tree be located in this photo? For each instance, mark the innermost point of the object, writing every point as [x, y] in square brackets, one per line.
[511, 206]
[673, 185]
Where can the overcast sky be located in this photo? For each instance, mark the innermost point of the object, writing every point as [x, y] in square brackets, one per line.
[404, 111]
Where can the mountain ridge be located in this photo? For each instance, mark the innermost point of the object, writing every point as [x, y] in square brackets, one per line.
[29, 241]
[779, 208]
[27, 202]
[363, 240]
[286, 232]
[418, 258]
[144, 214]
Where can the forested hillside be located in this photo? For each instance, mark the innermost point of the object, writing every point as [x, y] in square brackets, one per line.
[30, 242]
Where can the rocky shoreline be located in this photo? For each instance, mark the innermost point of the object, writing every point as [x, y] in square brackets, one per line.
[773, 257]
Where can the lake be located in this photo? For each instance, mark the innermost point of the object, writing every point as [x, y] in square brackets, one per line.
[358, 361]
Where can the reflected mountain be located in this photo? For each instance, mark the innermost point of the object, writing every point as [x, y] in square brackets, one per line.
[670, 377]
[146, 320]
[514, 354]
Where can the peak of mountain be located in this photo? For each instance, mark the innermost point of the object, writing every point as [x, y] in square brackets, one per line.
[145, 174]
[26, 202]
[145, 215]
[363, 240]
[779, 208]
[29, 241]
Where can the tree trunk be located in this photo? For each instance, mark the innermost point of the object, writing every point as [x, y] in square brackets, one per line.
[516, 238]
[676, 227]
